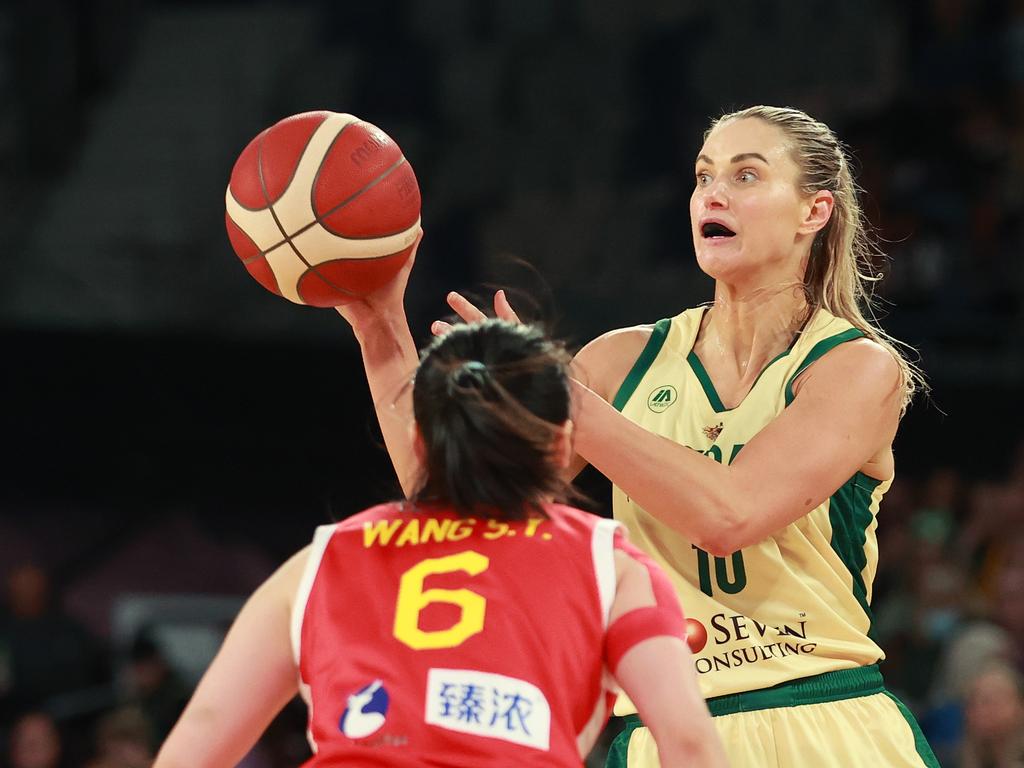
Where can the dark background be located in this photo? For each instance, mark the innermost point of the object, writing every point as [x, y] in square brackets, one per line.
[157, 402]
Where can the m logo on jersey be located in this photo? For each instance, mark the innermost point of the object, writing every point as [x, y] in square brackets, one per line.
[366, 711]
[661, 398]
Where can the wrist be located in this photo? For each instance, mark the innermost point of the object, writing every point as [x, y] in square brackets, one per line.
[385, 339]
[371, 326]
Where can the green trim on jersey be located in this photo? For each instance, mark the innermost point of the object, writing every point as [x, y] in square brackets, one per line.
[849, 513]
[924, 751]
[816, 352]
[839, 685]
[817, 689]
[618, 752]
[636, 373]
[709, 387]
[705, 382]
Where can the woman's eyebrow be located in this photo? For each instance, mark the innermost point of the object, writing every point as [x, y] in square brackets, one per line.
[737, 158]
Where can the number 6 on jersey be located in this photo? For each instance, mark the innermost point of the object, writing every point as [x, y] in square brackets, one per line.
[412, 599]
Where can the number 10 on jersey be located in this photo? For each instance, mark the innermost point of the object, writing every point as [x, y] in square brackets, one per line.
[729, 585]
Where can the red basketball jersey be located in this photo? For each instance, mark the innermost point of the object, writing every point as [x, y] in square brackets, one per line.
[423, 639]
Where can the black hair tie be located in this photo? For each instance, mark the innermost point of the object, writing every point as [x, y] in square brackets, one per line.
[472, 374]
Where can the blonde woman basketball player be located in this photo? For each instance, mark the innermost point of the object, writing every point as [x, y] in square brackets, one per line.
[749, 443]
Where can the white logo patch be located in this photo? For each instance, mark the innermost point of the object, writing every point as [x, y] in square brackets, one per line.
[490, 705]
[366, 711]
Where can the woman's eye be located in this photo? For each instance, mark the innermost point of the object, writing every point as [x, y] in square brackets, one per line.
[703, 179]
[746, 176]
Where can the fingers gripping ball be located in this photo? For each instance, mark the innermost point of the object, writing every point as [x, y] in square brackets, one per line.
[322, 208]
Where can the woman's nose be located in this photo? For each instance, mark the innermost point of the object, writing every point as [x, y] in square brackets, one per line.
[714, 195]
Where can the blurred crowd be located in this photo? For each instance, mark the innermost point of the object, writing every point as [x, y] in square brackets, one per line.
[949, 610]
[70, 698]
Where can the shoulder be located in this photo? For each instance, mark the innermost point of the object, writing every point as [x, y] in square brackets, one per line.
[283, 585]
[378, 512]
[603, 363]
[860, 363]
[583, 522]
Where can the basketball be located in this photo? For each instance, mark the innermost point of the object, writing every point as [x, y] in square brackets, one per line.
[322, 208]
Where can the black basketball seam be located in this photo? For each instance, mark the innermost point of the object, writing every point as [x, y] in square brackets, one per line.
[335, 261]
[287, 239]
[319, 220]
[263, 188]
[295, 168]
[279, 243]
[320, 167]
[251, 259]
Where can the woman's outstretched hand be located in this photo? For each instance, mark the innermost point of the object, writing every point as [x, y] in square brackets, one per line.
[469, 313]
[385, 300]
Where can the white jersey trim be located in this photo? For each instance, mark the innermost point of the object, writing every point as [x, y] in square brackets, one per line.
[602, 548]
[316, 553]
[321, 537]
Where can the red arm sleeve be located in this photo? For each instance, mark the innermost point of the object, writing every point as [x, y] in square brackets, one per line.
[663, 618]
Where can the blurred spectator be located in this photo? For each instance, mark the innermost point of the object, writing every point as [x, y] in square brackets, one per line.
[942, 502]
[49, 653]
[921, 623]
[34, 742]
[123, 740]
[284, 742]
[154, 686]
[1009, 609]
[968, 652]
[895, 547]
[993, 532]
[994, 720]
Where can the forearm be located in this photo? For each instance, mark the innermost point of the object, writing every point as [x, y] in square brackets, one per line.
[700, 747]
[691, 493]
[657, 675]
[390, 359]
[196, 742]
[696, 746]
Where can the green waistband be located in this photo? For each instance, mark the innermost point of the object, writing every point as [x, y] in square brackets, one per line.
[828, 686]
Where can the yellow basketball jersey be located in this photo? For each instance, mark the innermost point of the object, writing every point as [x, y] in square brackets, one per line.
[795, 604]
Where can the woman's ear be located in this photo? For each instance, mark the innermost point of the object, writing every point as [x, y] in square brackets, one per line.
[562, 447]
[819, 212]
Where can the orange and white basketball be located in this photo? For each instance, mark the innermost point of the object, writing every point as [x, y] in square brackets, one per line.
[322, 208]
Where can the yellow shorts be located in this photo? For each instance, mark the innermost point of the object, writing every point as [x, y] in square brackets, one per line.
[844, 719]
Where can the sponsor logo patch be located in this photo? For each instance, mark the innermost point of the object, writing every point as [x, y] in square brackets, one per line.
[366, 711]
[662, 397]
[489, 705]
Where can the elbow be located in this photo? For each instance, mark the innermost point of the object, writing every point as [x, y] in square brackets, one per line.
[719, 546]
[726, 532]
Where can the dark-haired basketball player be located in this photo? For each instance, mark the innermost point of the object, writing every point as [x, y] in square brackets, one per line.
[479, 623]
